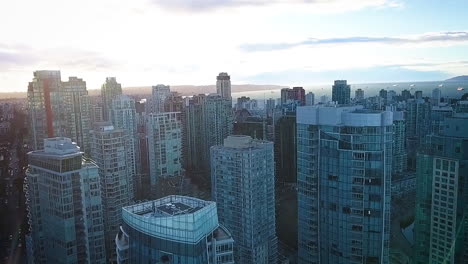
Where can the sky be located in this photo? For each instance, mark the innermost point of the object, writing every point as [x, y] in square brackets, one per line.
[283, 42]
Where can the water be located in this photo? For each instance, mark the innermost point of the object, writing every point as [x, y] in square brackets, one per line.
[449, 89]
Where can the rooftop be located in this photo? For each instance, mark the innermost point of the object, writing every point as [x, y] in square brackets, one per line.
[60, 146]
[176, 218]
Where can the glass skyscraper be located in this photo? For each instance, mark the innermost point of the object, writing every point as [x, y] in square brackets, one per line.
[64, 204]
[242, 180]
[344, 165]
[441, 225]
[173, 229]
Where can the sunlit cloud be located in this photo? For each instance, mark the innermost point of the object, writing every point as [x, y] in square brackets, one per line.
[321, 5]
[456, 37]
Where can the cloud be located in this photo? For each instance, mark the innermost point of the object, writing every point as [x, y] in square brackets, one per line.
[437, 37]
[207, 5]
[21, 56]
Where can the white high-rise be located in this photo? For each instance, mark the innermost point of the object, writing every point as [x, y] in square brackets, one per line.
[243, 187]
[436, 96]
[164, 131]
[123, 116]
[64, 204]
[223, 85]
[109, 91]
[77, 112]
[160, 94]
[109, 151]
[310, 98]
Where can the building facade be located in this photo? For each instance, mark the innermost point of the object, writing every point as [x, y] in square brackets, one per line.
[45, 111]
[164, 131]
[122, 114]
[344, 165]
[109, 151]
[242, 180]
[173, 229]
[310, 98]
[285, 149]
[341, 92]
[109, 91]
[294, 95]
[223, 85]
[208, 119]
[64, 205]
[400, 156]
[441, 195]
[359, 95]
[77, 107]
[160, 93]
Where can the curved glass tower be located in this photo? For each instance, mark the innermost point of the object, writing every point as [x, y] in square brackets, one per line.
[344, 165]
[173, 229]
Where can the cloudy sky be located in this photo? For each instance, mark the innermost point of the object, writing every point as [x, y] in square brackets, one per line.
[287, 42]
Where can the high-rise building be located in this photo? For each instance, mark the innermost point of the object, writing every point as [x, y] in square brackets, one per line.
[383, 94]
[65, 207]
[436, 96]
[164, 132]
[58, 108]
[223, 85]
[441, 195]
[341, 92]
[418, 125]
[109, 91]
[270, 107]
[418, 95]
[391, 95]
[160, 93]
[324, 99]
[242, 178]
[294, 95]
[122, 114]
[399, 164]
[208, 120]
[46, 115]
[285, 149]
[194, 136]
[142, 109]
[438, 115]
[109, 151]
[359, 95]
[76, 107]
[96, 114]
[218, 119]
[174, 103]
[310, 98]
[173, 229]
[344, 171]
[405, 95]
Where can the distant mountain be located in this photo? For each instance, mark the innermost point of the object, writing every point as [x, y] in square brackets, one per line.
[462, 78]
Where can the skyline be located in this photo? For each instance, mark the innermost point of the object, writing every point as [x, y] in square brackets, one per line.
[188, 42]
